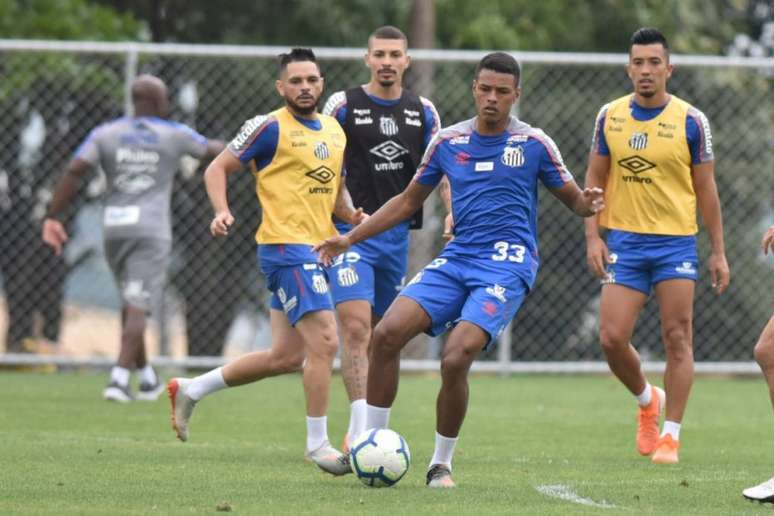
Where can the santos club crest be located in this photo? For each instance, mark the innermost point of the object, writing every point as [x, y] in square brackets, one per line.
[513, 156]
[388, 126]
[638, 141]
[321, 151]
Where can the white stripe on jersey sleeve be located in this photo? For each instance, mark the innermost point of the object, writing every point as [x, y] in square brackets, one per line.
[704, 133]
[553, 153]
[437, 119]
[248, 132]
[335, 101]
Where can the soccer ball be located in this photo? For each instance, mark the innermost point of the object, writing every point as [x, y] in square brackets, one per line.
[379, 457]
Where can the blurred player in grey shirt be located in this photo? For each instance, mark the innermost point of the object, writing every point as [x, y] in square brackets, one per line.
[140, 156]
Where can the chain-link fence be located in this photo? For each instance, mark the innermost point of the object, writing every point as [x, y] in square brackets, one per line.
[53, 93]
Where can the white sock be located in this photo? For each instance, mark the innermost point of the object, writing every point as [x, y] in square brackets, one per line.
[357, 418]
[645, 396]
[444, 449]
[119, 375]
[205, 384]
[377, 417]
[316, 432]
[670, 427]
[148, 375]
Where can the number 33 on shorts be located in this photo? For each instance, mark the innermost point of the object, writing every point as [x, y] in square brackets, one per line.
[510, 252]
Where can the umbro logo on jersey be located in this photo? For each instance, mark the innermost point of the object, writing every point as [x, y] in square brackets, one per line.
[321, 174]
[513, 156]
[498, 292]
[462, 158]
[389, 150]
[636, 164]
[321, 151]
[388, 126]
[686, 268]
[460, 140]
[638, 141]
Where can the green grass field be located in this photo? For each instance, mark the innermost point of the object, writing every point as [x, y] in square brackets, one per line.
[63, 450]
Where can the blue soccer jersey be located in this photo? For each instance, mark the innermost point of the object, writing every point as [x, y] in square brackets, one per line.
[494, 181]
[483, 275]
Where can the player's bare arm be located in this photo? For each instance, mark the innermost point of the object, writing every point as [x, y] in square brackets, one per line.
[597, 254]
[703, 175]
[394, 211]
[585, 203]
[767, 244]
[345, 209]
[214, 147]
[444, 189]
[215, 182]
[54, 233]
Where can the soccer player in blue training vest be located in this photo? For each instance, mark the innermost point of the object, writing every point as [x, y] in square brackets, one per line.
[764, 354]
[388, 129]
[652, 153]
[493, 163]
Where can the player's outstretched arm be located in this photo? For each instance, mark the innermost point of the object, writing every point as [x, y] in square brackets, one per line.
[394, 211]
[54, 233]
[703, 176]
[586, 202]
[214, 147]
[215, 182]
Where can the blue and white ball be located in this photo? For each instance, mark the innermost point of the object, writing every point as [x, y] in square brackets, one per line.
[380, 457]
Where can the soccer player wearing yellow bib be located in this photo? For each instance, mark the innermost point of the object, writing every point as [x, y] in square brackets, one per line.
[297, 157]
[652, 154]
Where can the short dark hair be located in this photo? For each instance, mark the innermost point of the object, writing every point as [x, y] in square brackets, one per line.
[648, 36]
[502, 63]
[387, 32]
[296, 55]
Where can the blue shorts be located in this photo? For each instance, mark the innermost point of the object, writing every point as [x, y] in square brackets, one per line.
[641, 261]
[373, 270]
[478, 290]
[299, 285]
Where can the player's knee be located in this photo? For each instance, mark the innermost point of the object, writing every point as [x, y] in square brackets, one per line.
[456, 363]
[327, 344]
[355, 332]
[289, 363]
[677, 337]
[611, 339]
[764, 349]
[387, 338]
[764, 353]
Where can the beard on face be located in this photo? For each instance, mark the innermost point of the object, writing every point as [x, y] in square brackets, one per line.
[302, 110]
[647, 93]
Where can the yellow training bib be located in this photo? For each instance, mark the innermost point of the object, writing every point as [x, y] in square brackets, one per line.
[298, 189]
[649, 187]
